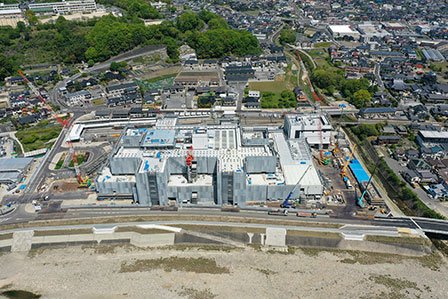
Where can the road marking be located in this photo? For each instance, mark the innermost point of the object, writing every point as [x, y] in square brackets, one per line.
[4, 219]
[415, 223]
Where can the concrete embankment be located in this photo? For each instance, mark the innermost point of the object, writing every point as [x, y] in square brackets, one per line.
[234, 236]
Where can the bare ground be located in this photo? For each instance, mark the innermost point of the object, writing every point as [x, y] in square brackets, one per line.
[124, 271]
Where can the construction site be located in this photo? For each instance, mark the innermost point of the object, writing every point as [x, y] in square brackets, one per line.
[306, 163]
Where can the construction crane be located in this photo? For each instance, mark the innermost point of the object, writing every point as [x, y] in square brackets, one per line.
[191, 165]
[35, 90]
[360, 200]
[285, 204]
[347, 162]
[189, 159]
[83, 182]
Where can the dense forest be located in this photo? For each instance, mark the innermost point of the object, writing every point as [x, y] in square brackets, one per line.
[99, 39]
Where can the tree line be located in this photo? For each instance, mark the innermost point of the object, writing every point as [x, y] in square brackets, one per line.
[357, 91]
[99, 39]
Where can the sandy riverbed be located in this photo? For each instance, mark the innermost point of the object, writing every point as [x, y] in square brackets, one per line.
[110, 271]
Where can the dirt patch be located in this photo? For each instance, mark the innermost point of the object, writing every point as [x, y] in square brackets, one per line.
[61, 272]
[80, 231]
[167, 217]
[395, 286]
[64, 186]
[5, 236]
[143, 231]
[432, 261]
[313, 234]
[399, 240]
[196, 265]
[19, 294]
[110, 248]
[216, 228]
[191, 293]
[266, 272]
[200, 247]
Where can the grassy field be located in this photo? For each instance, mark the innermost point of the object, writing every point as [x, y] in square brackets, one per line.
[98, 102]
[81, 158]
[37, 137]
[271, 86]
[158, 82]
[195, 265]
[272, 91]
[60, 162]
[321, 57]
[323, 45]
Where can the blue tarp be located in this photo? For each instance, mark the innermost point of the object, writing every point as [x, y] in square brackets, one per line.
[359, 172]
[22, 187]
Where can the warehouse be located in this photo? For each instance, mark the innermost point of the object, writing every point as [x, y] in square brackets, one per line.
[343, 30]
[64, 7]
[314, 128]
[213, 165]
[12, 170]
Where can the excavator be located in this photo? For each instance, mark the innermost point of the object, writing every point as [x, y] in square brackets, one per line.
[286, 204]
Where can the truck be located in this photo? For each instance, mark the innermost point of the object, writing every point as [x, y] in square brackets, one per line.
[278, 212]
[348, 183]
[306, 214]
[230, 208]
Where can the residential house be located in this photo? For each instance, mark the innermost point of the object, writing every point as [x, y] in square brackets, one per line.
[411, 177]
[378, 112]
[418, 113]
[388, 139]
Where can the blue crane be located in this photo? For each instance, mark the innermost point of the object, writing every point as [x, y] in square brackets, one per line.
[360, 201]
[286, 204]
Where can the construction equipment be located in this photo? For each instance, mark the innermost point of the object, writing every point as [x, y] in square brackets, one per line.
[83, 182]
[191, 165]
[307, 214]
[35, 90]
[360, 200]
[347, 162]
[286, 204]
[230, 208]
[326, 158]
[278, 212]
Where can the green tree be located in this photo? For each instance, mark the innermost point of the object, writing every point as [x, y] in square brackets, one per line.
[218, 23]
[8, 66]
[118, 66]
[31, 17]
[287, 36]
[189, 21]
[362, 98]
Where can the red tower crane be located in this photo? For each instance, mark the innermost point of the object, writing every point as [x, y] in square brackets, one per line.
[35, 90]
[189, 159]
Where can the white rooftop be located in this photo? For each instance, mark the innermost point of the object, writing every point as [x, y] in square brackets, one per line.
[201, 180]
[341, 29]
[434, 134]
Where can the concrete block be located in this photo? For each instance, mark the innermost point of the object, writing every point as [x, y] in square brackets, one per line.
[275, 237]
[152, 240]
[5, 243]
[22, 241]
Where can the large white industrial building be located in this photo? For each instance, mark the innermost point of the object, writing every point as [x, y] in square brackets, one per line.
[212, 165]
[64, 7]
[343, 30]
